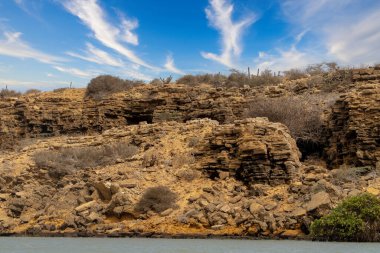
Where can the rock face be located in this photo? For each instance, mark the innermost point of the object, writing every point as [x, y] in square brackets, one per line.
[231, 177]
[253, 150]
[369, 74]
[354, 127]
[64, 112]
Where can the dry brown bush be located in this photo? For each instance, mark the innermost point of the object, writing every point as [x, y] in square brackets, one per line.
[156, 199]
[32, 91]
[294, 74]
[5, 93]
[60, 90]
[63, 162]
[301, 114]
[106, 84]
[235, 79]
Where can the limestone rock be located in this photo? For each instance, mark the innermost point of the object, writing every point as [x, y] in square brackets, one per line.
[318, 200]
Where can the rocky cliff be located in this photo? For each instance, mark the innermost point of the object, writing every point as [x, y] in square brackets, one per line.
[230, 176]
[221, 175]
[354, 127]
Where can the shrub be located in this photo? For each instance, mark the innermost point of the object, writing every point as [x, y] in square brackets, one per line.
[5, 93]
[67, 160]
[302, 115]
[156, 199]
[355, 219]
[106, 84]
[60, 90]
[32, 91]
[156, 82]
[235, 79]
[166, 80]
[294, 74]
[216, 80]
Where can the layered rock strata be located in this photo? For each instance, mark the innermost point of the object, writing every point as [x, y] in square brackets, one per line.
[354, 127]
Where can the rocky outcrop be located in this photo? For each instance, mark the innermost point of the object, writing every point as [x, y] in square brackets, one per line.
[101, 200]
[253, 150]
[371, 74]
[354, 127]
[67, 111]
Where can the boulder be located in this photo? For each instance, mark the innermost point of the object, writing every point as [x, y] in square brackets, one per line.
[318, 200]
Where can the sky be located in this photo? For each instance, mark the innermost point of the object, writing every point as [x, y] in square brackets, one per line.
[47, 44]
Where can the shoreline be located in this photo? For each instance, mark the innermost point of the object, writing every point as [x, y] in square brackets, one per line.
[154, 236]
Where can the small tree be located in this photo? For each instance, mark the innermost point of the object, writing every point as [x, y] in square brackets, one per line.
[166, 80]
[355, 219]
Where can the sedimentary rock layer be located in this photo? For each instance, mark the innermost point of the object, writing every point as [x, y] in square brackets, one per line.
[354, 127]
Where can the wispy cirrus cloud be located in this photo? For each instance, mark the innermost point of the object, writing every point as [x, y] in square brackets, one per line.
[94, 17]
[220, 15]
[285, 59]
[22, 85]
[289, 58]
[127, 29]
[12, 45]
[93, 54]
[170, 66]
[75, 72]
[31, 7]
[348, 30]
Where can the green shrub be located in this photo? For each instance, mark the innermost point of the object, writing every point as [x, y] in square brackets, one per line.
[65, 161]
[355, 219]
[106, 84]
[156, 199]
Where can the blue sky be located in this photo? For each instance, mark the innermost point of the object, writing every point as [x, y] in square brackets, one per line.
[47, 44]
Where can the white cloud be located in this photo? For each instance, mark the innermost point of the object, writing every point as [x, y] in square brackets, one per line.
[290, 58]
[134, 74]
[169, 65]
[21, 85]
[75, 72]
[358, 42]
[98, 56]
[127, 31]
[12, 45]
[31, 7]
[349, 30]
[285, 59]
[93, 16]
[219, 14]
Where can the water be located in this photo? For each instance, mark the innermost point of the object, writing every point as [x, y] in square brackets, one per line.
[96, 245]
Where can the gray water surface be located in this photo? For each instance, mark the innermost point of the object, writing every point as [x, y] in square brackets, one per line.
[97, 245]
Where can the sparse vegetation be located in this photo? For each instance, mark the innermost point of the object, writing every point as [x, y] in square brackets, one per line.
[63, 162]
[32, 91]
[301, 114]
[156, 199]
[294, 74]
[60, 90]
[355, 219]
[235, 79]
[5, 93]
[166, 80]
[347, 173]
[106, 84]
